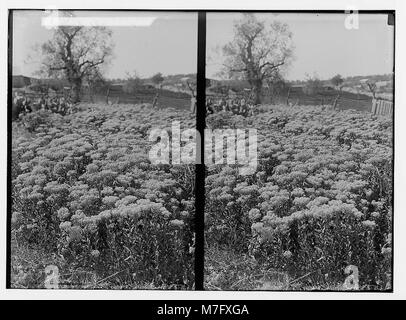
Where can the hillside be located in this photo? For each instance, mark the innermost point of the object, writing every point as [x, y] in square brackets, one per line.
[347, 100]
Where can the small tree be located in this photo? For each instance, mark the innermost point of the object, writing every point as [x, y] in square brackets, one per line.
[337, 81]
[370, 86]
[313, 85]
[189, 84]
[157, 78]
[132, 83]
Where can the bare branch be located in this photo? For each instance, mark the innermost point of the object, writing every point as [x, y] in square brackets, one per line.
[271, 65]
[91, 65]
[57, 68]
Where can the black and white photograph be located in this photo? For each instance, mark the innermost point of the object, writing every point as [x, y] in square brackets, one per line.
[315, 210]
[90, 207]
[210, 153]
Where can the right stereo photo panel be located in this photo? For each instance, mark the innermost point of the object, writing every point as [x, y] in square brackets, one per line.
[299, 151]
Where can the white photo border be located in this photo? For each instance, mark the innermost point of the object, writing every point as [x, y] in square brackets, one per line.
[399, 273]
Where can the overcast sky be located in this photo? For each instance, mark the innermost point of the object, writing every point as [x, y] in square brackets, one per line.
[322, 43]
[169, 45]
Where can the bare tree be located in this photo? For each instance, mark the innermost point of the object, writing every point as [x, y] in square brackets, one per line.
[258, 51]
[313, 84]
[370, 86]
[75, 53]
[192, 88]
[189, 84]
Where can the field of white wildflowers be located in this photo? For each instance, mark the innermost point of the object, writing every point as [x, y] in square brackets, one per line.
[86, 199]
[320, 200]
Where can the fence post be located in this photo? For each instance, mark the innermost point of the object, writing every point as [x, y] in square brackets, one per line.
[373, 110]
[107, 95]
[336, 101]
[287, 98]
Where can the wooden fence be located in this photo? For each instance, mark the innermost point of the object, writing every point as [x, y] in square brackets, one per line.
[382, 107]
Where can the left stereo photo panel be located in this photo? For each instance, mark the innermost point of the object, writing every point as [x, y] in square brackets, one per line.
[102, 170]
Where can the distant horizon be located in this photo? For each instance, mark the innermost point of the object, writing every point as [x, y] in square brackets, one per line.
[218, 79]
[124, 78]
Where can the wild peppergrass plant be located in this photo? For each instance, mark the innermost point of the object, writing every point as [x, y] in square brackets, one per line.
[87, 198]
[85, 192]
[320, 200]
